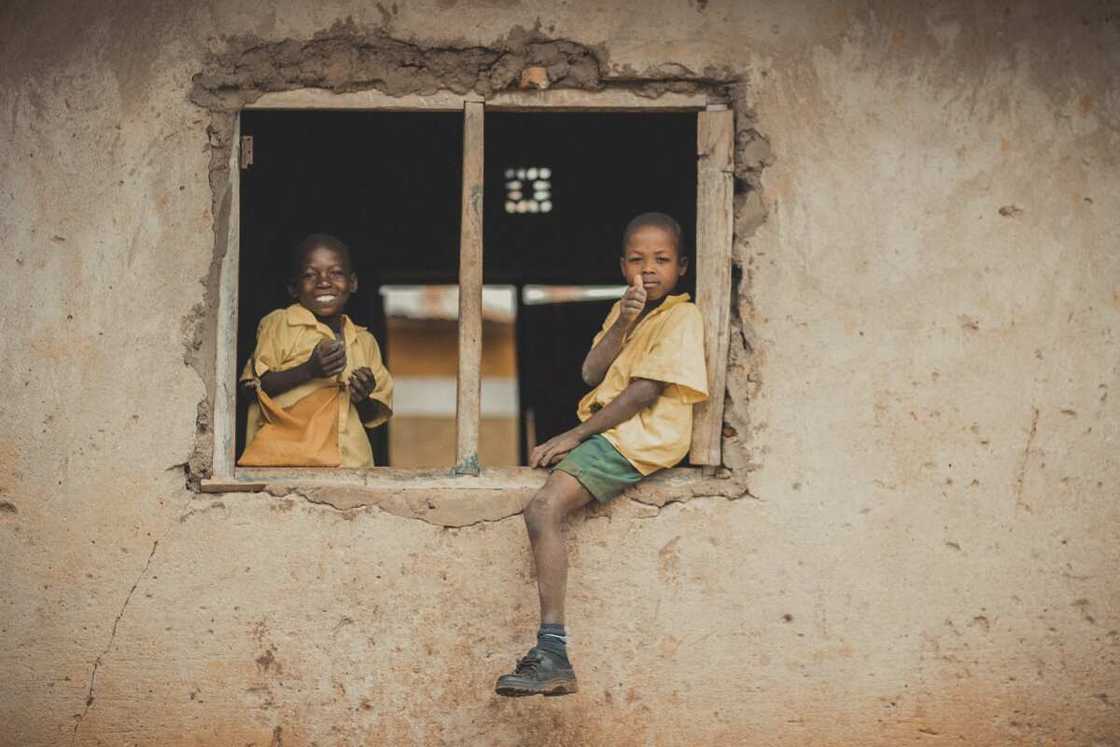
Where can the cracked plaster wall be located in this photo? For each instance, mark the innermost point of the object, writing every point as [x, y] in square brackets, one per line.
[922, 384]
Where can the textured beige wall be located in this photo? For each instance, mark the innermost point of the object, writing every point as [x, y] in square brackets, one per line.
[930, 545]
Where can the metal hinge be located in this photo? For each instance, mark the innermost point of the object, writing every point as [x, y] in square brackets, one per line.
[246, 151]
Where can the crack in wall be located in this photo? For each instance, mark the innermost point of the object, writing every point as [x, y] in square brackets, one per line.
[1021, 475]
[113, 632]
[109, 645]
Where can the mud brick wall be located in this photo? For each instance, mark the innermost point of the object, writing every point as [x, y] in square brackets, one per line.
[921, 417]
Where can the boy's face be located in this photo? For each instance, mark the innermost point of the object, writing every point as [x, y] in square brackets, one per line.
[324, 282]
[652, 254]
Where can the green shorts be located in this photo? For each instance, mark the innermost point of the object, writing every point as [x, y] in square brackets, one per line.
[599, 467]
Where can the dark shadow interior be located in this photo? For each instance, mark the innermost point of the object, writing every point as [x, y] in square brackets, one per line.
[389, 183]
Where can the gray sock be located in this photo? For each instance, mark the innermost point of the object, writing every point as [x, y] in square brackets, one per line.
[553, 638]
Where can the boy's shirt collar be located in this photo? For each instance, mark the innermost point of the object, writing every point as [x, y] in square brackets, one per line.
[300, 315]
[671, 301]
[668, 303]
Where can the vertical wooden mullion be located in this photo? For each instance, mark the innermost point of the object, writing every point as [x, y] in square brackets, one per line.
[225, 364]
[714, 227]
[468, 398]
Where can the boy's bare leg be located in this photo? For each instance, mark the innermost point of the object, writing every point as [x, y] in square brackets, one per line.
[545, 670]
[544, 518]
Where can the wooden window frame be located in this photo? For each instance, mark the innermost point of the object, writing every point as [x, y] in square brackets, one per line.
[714, 222]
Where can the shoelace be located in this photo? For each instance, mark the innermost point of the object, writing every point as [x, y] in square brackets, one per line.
[528, 664]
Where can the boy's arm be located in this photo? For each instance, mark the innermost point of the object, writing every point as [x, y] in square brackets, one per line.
[601, 357]
[362, 383]
[327, 359]
[638, 395]
[368, 409]
[371, 384]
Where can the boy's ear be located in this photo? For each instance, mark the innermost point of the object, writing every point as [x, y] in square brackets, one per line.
[683, 263]
[292, 289]
[353, 282]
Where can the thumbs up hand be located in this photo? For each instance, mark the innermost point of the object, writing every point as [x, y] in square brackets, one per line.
[633, 302]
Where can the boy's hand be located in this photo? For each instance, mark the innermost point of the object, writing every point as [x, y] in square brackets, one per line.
[553, 450]
[633, 302]
[327, 359]
[362, 383]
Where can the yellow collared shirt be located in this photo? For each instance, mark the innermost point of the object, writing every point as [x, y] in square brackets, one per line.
[285, 339]
[666, 346]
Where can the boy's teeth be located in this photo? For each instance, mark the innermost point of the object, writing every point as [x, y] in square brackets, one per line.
[324, 298]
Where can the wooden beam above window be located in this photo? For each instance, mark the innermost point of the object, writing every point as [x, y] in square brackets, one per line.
[609, 99]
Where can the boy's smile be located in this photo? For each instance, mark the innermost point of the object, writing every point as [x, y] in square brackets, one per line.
[652, 253]
[324, 283]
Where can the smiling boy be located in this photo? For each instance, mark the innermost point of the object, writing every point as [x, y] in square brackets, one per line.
[318, 377]
[647, 369]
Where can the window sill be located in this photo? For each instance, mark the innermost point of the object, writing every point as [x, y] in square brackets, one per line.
[447, 499]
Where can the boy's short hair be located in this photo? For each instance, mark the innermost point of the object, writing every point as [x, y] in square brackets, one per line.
[313, 241]
[655, 220]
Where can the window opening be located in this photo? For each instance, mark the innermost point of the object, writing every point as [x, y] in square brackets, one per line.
[543, 273]
[387, 183]
[422, 331]
[615, 165]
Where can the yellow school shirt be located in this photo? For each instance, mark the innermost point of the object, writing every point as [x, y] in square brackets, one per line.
[667, 346]
[285, 339]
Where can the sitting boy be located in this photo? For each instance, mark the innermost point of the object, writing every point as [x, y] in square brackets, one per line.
[318, 377]
[647, 367]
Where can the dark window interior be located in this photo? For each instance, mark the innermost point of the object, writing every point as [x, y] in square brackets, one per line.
[388, 183]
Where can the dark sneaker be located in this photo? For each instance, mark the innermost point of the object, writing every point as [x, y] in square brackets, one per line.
[539, 672]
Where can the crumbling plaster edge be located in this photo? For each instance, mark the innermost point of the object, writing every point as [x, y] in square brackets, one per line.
[449, 500]
[447, 512]
[752, 154]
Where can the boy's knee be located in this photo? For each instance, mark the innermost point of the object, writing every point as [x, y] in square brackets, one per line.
[541, 511]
